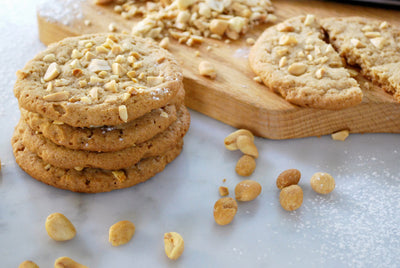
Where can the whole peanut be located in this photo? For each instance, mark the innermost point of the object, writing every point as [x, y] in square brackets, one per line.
[291, 197]
[287, 178]
[245, 165]
[247, 190]
[322, 183]
[246, 145]
[225, 210]
[230, 140]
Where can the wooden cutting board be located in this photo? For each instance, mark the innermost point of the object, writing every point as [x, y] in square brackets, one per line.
[233, 97]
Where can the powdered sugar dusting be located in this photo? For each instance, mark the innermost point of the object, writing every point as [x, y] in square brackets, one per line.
[62, 11]
[354, 224]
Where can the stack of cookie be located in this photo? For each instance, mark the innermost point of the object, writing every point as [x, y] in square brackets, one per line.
[99, 112]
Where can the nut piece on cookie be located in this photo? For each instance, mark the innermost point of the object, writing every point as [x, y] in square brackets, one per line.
[52, 72]
[124, 70]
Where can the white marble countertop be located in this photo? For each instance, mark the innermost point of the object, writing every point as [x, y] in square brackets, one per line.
[357, 225]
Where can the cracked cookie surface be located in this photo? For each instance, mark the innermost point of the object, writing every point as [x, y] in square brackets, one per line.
[293, 59]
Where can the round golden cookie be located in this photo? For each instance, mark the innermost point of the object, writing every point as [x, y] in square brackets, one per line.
[293, 59]
[373, 45]
[103, 139]
[62, 157]
[106, 138]
[98, 80]
[91, 180]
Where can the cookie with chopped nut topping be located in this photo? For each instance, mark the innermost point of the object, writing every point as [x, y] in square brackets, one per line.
[373, 45]
[63, 157]
[98, 80]
[91, 180]
[293, 59]
[106, 138]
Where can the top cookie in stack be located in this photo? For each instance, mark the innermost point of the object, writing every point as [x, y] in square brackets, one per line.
[99, 112]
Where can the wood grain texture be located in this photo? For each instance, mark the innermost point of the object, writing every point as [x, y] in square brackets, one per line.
[234, 98]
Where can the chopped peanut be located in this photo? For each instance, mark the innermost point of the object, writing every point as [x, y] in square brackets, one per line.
[59, 228]
[173, 245]
[207, 69]
[121, 233]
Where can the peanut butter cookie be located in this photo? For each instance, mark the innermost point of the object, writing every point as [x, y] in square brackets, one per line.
[372, 45]
[91, 180]
[62, 157]
[98, 80]
[293, 59]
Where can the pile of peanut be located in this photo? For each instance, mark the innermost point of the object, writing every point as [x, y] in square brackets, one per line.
[291, 195]
[243, 140]
[226, 207]
[189, 21]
